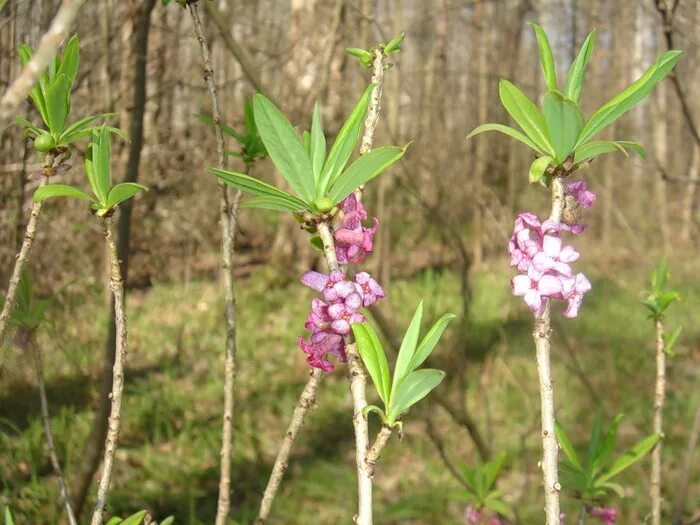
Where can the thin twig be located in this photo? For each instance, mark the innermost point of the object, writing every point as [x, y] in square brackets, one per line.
[542, 333]
[39, 369]
[358, 384]
[379, 444]
[45, 53]
[117, 285]
[659, 397]
[228, 223]
[582, 515]
[306, 401]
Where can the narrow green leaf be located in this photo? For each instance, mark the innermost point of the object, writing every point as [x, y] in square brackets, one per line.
[8, 517]
[81, 124]
[167, 521]
[395, 44]
[546, 58]
[412, 389]
[564, 121]
[497, 505]
[364, 169]
[114, 520]
[594, 443]
[25, 52]
[660, 274]
[614, 487]
[135, 519]
[306, 141]
[428, 343]
[599, 147]
[270, 203]
[526, 114]
[345, 142]
[60, 190]
[101, 154]
[122, 192]
[284, 147]
[670, 341]
[630, 457]
[257, 187]
[514, 133]
[86, 132]
[567, 447]
[31, 127]
[492, 468]
[372, 353]
[629, 97]
[70, 59]
[607, 448]
[665, 299]
[408, 347]
[538, 168]
[634, 147]
[58, 104]
[577, 71]
[318, 146]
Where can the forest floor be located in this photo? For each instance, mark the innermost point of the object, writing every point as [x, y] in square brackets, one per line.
[168, 456]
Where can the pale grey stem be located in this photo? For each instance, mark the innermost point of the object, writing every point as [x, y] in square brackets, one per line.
[379, 444]
[659, 398]
[582, 515]
[45, 53]
[114, 422]
[227, 215]
[20, 262]
[306, 401]
[39, 369]
[358, 385]
[541, 334]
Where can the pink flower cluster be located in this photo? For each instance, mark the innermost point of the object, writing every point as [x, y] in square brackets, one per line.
[353, 241]
[537, 251]
[330, 318]
[473, 516]
[606, 515]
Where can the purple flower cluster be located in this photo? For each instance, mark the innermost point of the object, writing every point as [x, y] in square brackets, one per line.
[330, 318]
[606, 515]
[353, 241]
[473, 516]
[537, 251]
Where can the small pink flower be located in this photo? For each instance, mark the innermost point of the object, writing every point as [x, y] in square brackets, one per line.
[353, 240]
[606, 515]
[533, 286]
[581, 286]
[370, 290]
[472, 516]
[554, 257]
[579, 190]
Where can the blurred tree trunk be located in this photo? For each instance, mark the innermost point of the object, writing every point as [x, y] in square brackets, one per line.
[93, 450]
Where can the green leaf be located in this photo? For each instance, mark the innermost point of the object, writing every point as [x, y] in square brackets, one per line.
[257, 187]
[412, 389]
[614, 487]
[318, 146]
[81, 125]
[514, 133]
[660, 274]
[498, 505]
[101, 150]
[546, 58]
[135, 519]
[363, 55]
[567, 447]
[364, 169]
[577, 71]
[115, 520]
[395, 44]
[122, 192]
[629, 97]
[670, 341]
[538, 168]
[492, 468]
[408, 347]
[70, 59]
[30, 127]
[599, 147]
[372, 353]
[630, 457]
[167, 521]
[306, 141]
[270, 203]
[58, 104]
[284, 147]
[526, 114]
[634, 147]
[344, 143]
[8, 517]
[606, 450]
[428, 343]
[86, 132]
[564, 121]
[594, 443]
[60, 190]
[665, 299]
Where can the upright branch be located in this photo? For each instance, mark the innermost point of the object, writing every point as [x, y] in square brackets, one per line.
[227, 218]
[358, 386]
[542, 333]
[306, 401]
[55, 463]
[659, 398]
[45, 53]
[114, 422]
[23, 255]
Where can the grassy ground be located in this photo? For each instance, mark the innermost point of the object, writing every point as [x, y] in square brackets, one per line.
[167, 461]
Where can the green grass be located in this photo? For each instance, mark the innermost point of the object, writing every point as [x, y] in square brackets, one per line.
[168, 457]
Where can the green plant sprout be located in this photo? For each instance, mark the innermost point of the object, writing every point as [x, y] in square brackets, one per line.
[105, 197]
[366, 56]
[659, 299]
[591, 480]
[52, 100]
[558, 132]
[319, 181]
[409, 384]
[480, 486]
